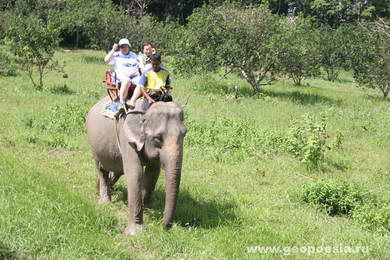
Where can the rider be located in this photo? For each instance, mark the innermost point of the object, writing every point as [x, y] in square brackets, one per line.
[147, 49]
[126, 66]
[153, 79]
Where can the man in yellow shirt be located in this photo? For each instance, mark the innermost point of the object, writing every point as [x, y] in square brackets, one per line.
[155, 78]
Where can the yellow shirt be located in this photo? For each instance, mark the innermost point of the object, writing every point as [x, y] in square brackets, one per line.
[151, 79]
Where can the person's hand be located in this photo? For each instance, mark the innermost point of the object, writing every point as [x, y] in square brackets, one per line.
[115, 47]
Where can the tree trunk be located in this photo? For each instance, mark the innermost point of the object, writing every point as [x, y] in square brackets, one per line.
[77, 36]
[41, 70]
[249, 77]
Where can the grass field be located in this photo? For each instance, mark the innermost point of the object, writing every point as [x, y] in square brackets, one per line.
[239, 189]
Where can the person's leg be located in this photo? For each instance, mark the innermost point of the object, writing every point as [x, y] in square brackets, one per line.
[136, 95]
[124, 90]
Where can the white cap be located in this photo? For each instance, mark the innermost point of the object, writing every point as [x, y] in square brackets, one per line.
[124, 41]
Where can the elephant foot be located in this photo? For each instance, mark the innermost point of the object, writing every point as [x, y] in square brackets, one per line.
[134, 229]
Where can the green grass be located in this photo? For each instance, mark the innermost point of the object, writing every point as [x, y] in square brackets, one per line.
[231, 197]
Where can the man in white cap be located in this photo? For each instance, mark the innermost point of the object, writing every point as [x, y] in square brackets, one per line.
[125, 65]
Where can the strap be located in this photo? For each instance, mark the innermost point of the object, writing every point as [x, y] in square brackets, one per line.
[116, 134]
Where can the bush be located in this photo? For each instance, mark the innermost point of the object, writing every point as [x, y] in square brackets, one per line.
[8, 64]
[307, 140]
[374, 216]
[335, 197]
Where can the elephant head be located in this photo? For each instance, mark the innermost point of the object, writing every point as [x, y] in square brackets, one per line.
[158, 136]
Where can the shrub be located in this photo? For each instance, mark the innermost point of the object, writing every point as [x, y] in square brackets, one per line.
[34, 42]
[307, 140]
[335, 197]
[8, 64]
[374, 216]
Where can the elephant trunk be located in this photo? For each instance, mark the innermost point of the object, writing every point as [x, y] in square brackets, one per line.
[173, 165]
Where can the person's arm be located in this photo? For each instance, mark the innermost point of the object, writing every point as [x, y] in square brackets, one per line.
[146, 95]
[108, 57]
[143, 82]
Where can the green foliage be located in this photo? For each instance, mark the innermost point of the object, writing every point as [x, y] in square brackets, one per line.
[336, 12]
[231, 140]
[307, 140]
[8, 63]
[371, 68]
[332, 51]
[374, 216]
[297, 52]
[238, 40]
[33, 42]
[60, 122]
[237, 140]
[335, 197]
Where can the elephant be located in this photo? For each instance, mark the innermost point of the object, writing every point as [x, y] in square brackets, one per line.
[138, 145]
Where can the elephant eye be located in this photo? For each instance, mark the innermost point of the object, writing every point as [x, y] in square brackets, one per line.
[157, 140]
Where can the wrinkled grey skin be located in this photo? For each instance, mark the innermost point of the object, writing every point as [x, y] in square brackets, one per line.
[149, 141]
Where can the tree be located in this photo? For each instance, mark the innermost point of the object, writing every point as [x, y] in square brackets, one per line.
[34, 42]
[238, 40]
[297, 54]
[332, 51]
[371, 65]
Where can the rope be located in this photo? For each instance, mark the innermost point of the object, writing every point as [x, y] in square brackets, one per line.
[116, 134]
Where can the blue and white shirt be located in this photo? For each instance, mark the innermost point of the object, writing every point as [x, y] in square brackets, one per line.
[125, 65]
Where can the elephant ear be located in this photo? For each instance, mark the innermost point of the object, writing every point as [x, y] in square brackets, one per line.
[134, 130]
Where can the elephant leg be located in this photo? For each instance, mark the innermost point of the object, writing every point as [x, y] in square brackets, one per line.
[103, 184]
[134, 180]
[114, 177]
[151, 175]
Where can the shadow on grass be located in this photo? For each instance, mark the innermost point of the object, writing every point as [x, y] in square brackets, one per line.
[302, 98]
[332, 166]
[221, 88]
[378, 98]
[92, 60]
[6, 253]
[190, 212]
[60, 90]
